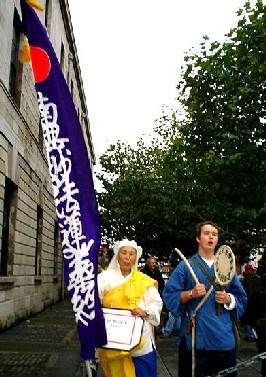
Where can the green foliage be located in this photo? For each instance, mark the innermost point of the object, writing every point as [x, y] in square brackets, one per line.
[209, 164]
[223, 90]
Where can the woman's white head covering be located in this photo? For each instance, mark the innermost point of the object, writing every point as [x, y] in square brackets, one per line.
[114, 265]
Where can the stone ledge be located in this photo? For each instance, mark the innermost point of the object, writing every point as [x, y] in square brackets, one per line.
[6, 282]
[37, 280]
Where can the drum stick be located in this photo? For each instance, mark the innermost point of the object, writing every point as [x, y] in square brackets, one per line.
[182, 256]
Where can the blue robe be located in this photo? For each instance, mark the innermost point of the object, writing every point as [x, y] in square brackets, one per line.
[213, 332]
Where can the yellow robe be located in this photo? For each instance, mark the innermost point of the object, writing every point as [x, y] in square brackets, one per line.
[117, 363]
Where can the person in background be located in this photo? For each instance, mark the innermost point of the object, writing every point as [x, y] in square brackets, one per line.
[171, 327]
[256, 309]
[238, 265]
[122, 286]
[172, 323]
[249, 282]
[153, 271]
[103, 258]
[215, 343]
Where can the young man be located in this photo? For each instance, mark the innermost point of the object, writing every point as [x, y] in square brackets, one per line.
[215, 342]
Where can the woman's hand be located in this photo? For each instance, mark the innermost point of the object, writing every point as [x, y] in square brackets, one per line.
[138, 312]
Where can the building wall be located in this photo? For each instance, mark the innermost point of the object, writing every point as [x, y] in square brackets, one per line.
[23, 289]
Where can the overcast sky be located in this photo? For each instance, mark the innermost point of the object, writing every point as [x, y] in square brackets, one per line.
[130, 54]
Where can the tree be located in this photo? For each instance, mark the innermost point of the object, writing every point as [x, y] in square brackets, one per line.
[209, 164]
[139, 198]
[223, 91]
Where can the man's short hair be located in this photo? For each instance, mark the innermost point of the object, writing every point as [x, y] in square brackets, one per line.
[201, 224]
[151, 257]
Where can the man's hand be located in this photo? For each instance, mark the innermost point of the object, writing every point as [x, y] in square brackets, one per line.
[222, 297]
[198, 291]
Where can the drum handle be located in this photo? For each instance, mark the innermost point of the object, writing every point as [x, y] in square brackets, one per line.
[219, 306]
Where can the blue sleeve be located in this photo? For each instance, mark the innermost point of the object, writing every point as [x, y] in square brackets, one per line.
[179, 281]
[236, 288]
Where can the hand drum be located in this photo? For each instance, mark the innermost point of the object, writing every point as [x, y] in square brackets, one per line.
[224, 265]
[224, 268]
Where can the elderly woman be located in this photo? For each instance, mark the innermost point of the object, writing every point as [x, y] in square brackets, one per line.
[122, 286]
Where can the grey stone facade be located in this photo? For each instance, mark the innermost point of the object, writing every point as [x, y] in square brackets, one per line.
[30, 254]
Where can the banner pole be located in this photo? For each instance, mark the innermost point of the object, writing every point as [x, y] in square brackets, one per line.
[88, 368]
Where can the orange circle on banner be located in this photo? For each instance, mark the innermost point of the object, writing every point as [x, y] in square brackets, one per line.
[41, 64]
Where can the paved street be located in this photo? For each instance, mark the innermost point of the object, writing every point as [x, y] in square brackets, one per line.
[168, 358]
[46, 345]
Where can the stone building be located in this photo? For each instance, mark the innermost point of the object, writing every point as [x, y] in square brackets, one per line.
[30, 254]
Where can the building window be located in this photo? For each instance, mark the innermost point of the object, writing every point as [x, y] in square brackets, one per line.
[15, 75]
[70, 64]
[56, 247]
[47, 18]
[38, 248]
[8, 232]
[62, 57]
[40, 138]
[72, 88]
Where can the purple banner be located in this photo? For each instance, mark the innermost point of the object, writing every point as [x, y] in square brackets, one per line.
[72, 182]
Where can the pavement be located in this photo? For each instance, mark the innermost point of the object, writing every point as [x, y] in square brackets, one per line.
[46, 345]
[168, 357]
